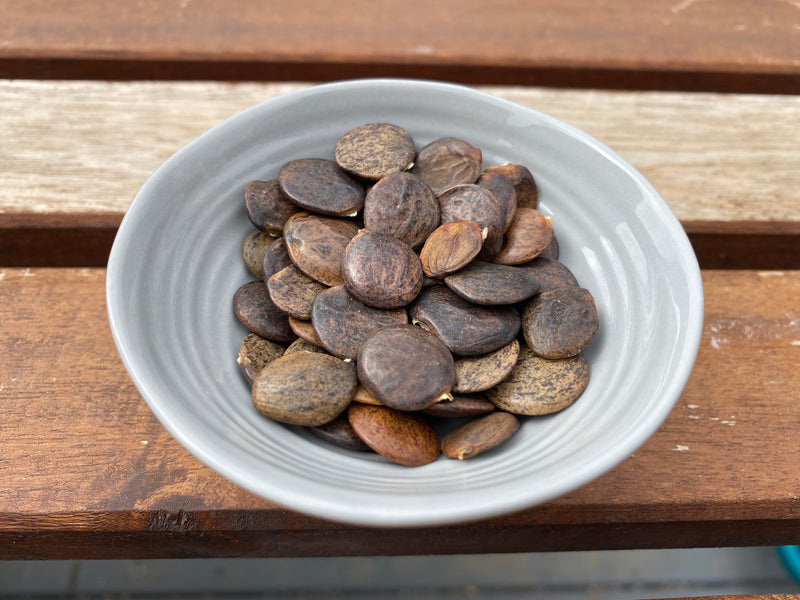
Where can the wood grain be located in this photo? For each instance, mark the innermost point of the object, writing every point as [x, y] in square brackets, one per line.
[88, 472]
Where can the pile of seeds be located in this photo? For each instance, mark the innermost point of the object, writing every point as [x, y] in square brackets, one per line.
[398, 289]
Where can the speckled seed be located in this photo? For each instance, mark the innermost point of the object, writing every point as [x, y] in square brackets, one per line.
[256, 311]
[254, 248]
[374, 150]
[340, 433]
[342, 323]
[404, 206]
[479, 373]
[255, 353]
[300, 345]
[304, 388]
[479, 435]
[549, 273]
[305, 330]
[447, 162]
[465, 328]
[267, 206]
[405, 367]
[488, 283]
[364, 396]
[404, 438]
[540, 386]
[528, 236]
[450, 247]
[460, 406]
[560, 322]
[524, 183]
[276, 258]
[316, 245]
[293, 291]
[474, 203]
[381, 271]
[321, 186]
[503, 189]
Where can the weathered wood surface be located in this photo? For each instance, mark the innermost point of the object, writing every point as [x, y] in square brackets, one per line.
[86, 471]
[662, 44]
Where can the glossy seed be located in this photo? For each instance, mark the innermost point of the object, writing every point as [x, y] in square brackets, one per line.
[254, 248]
[479, 373]
[529, 234]
[342, 323]
[474, 203]
[450, 247]
[305, 331]
[549, 273]
[404, 438]
[460, 406]
[321, 186]
[256, 311]
[541, 386]
[316, 245]
[488, 283]
[340, 433]
[479, 435]
[375, 150]
[503, 189]
[267, 206]
[276, 258]
[405, 367]
[381, 271]
[465, 328]
[447, 162]
[560, 322]
[255, 353]
[524, 183]
[301, 345]
[304, 388]
[293, 291]
[404, 206]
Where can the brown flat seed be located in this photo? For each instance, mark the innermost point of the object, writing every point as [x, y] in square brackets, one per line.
[364, 396]
[549, 273]
[404, 438]
[276, 258]
[540, 386]
[300, 345]
[255, 353]
[254, 248]
[529, 234]
[293, 291]
[375, 150]
[342, 323]
[316, 245]
[381, 271]
[551, 251]
[488, 283]
[321, 186]
[403, 205]
[450, 247]
[503, 189]
[256, 311]
[305, 330]
[340, 433]
[460, 406]
[474, 203]
[447, 162]
[465, 328]
[267, 206]
[304, 388]
[560, 322]
[479, 373]
[524, 183]
[479, 435]
[405, 367]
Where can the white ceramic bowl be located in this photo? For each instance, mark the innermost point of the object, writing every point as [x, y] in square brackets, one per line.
[175, 266]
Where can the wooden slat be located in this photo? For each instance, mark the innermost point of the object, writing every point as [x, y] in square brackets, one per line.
[661, 44]
[87, 472]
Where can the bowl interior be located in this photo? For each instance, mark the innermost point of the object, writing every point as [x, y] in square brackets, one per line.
[176, 264]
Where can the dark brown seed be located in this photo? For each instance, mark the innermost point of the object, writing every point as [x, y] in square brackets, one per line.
[256, 311]
[255, 353]
[304, 388]
[524, 183]
[404, 206]
[404, 438]
[267, 206]
[560, 322]
[551, 251]
[340, 433]
[488, 283]
[460, 406]
[503, 189]
[375, 150]
[321, 186]
[447, 162]
[479, 435]
[342, 323]
[300, 345]
[316, 245]
[381, 271]
[276, 258]
[549, 273]
[479, 373]
[254, 248]
[465, 328]
[474, 203]
[540, 386]
[293, 291]
[450, 247]
[305, 330]
[529, 234]
[405, 367]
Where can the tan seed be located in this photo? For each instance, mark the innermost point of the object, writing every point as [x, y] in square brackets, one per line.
[293, 291]
[479, 435]
[255, 353]
[254, 248]
[450, 247]
[375, 150]
[479, 373]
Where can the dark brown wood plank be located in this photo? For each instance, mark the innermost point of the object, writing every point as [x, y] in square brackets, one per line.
[664, 44]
